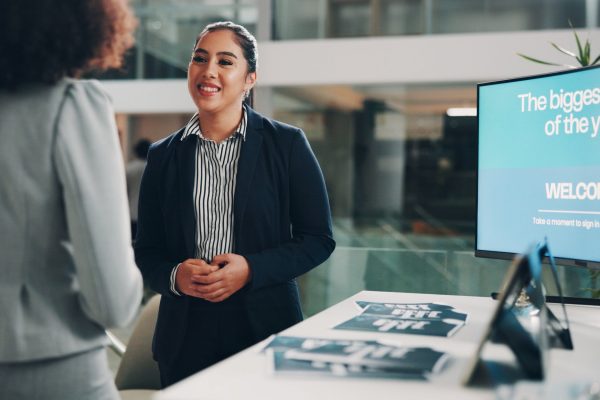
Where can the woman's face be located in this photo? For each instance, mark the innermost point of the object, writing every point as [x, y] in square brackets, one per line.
[218, 73]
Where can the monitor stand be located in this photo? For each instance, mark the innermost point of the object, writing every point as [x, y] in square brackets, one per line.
[493, 373]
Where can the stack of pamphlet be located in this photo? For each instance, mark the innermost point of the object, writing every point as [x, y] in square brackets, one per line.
[431, 319]
[351, 358]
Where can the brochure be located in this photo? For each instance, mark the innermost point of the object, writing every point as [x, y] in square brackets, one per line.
[353, 358]
[280, 364]
[410, 306]
[430, 319]
[378, 323]
[425, 313]
[374, 355]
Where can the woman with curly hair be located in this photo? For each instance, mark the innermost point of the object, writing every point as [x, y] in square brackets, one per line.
[67, 268]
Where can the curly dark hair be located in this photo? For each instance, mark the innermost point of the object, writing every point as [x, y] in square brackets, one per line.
[42, 41]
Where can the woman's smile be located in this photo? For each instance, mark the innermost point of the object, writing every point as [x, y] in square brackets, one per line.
[208, 89]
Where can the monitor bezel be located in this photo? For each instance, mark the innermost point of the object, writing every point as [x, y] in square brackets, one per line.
[501, 255]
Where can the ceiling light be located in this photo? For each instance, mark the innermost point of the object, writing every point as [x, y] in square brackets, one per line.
[462, 112]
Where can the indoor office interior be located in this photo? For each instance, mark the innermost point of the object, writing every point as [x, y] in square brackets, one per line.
[386, 92]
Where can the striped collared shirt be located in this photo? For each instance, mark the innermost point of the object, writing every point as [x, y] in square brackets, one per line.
[215, 174]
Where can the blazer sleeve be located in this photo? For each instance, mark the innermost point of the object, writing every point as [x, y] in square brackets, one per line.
[151, 253]
[90, 169]
[310, 216]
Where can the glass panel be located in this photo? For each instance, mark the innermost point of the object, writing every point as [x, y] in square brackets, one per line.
[299, 19]
[402, 17]
[354, 18]
[401, 176]
[442, 271]
[168, 28]
[350, 270]
[349, 18]
[505, 15]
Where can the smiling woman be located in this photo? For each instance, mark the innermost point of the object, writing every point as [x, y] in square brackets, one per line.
[233, 207]
[219, 78]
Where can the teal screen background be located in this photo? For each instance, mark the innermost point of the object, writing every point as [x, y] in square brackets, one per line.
[517, 159]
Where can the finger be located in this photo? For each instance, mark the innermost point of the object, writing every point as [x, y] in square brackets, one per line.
[196, 262]
[191, 291]
[207, 279]
[225, 296]
[208, 289]
[221, 259]
[192, 266]
[205, 269]
[218, 296]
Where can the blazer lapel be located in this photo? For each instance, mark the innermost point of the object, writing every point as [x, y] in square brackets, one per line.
[246, 166]
[185, 156]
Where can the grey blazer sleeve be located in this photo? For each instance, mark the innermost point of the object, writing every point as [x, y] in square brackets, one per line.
[90, 169]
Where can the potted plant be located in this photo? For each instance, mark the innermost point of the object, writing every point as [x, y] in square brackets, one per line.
[583, 56]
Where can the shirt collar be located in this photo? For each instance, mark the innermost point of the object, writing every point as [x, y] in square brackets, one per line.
[193, 127]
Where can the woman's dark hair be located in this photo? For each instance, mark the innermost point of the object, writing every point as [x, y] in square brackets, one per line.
[42, 41]
[244, 39]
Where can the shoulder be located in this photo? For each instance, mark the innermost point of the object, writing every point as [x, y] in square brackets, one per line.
[86, 100]
[86, 90]
[161, 148]
[167, 142]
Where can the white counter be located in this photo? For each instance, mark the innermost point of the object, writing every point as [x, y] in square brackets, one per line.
[245, 375]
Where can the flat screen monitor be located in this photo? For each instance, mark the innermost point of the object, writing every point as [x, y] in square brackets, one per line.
[539, 166]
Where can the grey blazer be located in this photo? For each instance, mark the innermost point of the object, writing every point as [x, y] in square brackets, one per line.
[66, 269]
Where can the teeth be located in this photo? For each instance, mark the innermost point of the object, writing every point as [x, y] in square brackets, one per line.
[209, 89]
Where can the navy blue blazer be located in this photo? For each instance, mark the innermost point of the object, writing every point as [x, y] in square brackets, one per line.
[282, 225]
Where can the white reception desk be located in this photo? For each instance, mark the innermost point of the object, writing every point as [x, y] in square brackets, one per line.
[246, 375]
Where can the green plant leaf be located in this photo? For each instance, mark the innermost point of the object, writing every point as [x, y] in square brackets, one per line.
[579, 48]
[563, 50]
[586, 54]
[544, 62]
[583, 55]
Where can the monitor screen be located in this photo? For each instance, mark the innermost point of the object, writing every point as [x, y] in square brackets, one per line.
[539, 166]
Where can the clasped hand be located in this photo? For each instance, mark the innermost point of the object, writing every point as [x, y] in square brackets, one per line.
[197, 278]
